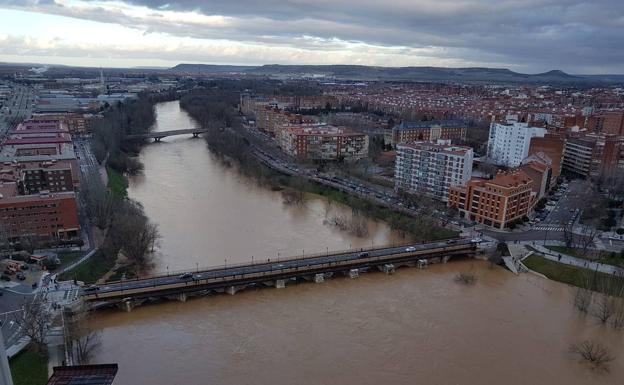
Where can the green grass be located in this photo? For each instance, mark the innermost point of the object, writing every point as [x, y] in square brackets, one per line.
[560, 272]
[29, 368]
[92, 269]
[67, 257]
[117, 183]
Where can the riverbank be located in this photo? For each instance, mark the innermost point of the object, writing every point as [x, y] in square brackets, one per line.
[570, 275]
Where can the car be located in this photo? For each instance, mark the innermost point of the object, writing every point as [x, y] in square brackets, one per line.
[185, 276]
[21, 276]
[196, 277]
[451, 241]
[476, 240]
[363, 254]
[411, 248]
[92, 288]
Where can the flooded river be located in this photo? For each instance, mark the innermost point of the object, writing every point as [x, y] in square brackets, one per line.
[414, 327]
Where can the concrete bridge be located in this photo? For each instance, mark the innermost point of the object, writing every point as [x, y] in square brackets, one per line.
[157, 136]
[315, 268]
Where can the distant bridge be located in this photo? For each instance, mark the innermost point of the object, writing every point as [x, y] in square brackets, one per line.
[230, 279]
[157, 136]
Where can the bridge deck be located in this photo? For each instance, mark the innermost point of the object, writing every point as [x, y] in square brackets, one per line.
[260, 272]
[163, 134]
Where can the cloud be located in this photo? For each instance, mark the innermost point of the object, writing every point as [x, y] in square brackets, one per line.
[577, 36]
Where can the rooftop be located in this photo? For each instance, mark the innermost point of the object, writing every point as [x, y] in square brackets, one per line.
[454, 123]
[84, 375]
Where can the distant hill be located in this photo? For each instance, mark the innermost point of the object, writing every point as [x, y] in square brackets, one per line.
[208, 68]
[437, 74]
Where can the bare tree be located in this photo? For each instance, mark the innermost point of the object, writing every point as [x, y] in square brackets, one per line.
[466, 278]
[605, 304]
[593, 352]
[34, 320]
[583, 295]
[81, 341]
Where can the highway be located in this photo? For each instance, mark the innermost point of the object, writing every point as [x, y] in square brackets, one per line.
[329, 261]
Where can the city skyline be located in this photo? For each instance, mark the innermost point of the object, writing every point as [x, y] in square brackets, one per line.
[532, 37]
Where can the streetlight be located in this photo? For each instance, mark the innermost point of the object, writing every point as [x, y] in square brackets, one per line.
[197, 265]
[167, 271]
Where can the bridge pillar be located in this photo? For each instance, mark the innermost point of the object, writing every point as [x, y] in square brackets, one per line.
[126, 305]
[319, 278]
[195, 135]
[422, 263]
[446, 258]
[354, 273]
[389, 268]
[231, 290]
[157, 139]
[280, 283]
[182, 297]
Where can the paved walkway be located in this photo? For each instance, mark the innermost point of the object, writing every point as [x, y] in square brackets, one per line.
[578, 262]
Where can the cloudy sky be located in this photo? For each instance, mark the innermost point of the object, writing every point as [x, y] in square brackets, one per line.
[523, 35]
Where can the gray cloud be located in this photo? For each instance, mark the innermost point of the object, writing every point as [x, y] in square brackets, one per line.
[533, 35]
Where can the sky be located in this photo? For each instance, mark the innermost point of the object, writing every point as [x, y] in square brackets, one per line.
[579, 37]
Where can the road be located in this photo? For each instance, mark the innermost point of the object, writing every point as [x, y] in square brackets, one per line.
[269, 266]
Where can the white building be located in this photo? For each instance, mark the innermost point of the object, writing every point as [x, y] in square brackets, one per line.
[509, 143]
[431, 169]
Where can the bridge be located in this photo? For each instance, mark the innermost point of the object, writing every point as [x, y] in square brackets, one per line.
[230, 279]
[157, 136]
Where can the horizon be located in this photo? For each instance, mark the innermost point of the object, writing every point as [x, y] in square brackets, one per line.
[47, 64]
[572, 36]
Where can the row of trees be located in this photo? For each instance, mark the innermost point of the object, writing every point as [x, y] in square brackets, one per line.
[108, 144]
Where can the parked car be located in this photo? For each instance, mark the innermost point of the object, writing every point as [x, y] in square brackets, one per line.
[21, 276]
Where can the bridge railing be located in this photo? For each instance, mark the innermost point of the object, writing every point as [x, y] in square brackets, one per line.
[270, 260]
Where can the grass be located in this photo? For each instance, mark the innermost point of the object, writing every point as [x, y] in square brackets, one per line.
[117, 183]
[29, 368]
[92, 269]
[67, 257]
[561, 272]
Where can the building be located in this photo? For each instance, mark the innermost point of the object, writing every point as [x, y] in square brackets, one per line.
[322, 142]
[497, 202]
[45, 215]
[551, 145]
[592, 155]
[78, 124]
[101, 374]
[538, 168]
[429, 131]
[609, 123]
[509, 143]
[431, 169]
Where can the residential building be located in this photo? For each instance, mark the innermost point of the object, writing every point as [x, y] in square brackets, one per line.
[322, 142]
[496, 202]
[551, 145]
[46, 214]
[592, 155]
[609, 123]
[429, 131]
[538, 168]
[431, 169]
[509, 143]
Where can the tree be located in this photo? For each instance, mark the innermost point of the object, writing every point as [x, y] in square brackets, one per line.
[34, 320]
[134, 234]
[593, 352]
[81, 341]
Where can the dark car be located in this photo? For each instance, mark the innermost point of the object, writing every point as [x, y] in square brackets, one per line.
[92, 288]
[451, 241]
[21, 276]
[186, 276]
[363, 254]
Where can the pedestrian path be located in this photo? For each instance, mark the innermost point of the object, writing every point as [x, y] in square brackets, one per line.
[579, 262]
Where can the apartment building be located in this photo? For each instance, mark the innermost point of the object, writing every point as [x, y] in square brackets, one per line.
[592, 155]
[553, 146]
[538, 168]
[496, 202]
[431, 131]
[322, 142]
[431, 169]
[46, 214]
[509, 143]
[608, 123]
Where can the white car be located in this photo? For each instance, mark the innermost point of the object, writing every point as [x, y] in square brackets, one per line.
[476, 240]
[411, 248]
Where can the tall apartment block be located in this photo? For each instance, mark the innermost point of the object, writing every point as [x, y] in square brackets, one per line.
[509, 143]
[432, 169]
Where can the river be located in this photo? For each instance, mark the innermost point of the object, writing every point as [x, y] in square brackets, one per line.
[416, 326]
